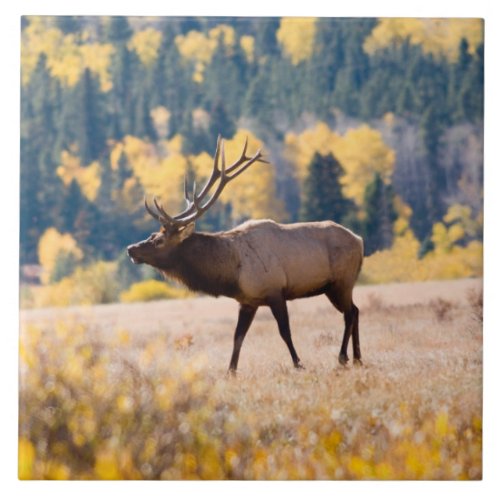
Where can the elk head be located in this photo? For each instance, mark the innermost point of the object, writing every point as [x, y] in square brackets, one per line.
[156, 249]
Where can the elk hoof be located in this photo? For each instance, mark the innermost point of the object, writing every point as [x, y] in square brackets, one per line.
[357, 362]
[343, 359]
[299, 366]
[231, 373]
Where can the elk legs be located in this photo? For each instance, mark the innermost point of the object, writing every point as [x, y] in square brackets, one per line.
[355, 337]
[245, 318]
[280, 313]
[351, 321]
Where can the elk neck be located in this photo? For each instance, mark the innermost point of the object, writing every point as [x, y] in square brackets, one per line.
[205, 263]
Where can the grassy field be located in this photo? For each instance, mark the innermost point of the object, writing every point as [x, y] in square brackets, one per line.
[140, 391]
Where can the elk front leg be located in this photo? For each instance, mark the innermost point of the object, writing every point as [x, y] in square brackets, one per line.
[280, 313]
[245, 318]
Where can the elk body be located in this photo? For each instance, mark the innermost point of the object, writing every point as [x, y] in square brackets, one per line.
[259, 263]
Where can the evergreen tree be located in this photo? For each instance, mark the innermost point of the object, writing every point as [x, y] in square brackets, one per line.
[220, 123]
[326, 60]
[143, 125]
[124, 68]
[224, 77]
[89, 130]
[322, 197]
[40, 187]
[258, 102]
[457, 74]
[432, 204]
[178, 92]
[68, 24]
[72, 203]
[356, 65]
[119, 30]
[471, 92]
[266, 44]
[380, 215]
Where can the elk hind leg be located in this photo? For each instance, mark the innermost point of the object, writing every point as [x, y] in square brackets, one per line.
[343, 303]
[280, 313]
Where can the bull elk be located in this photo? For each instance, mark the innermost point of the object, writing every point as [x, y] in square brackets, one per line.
[258, 263]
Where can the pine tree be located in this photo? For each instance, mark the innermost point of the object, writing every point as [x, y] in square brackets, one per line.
[119, 30]
[68, 24]
[40, 187]
[224, 77]
[124, 68]
[266, 44]
[143, 125]
[220, 122]
[322, 197]
[380, 215]
[72, 203]
[89, 129]
[471, 92]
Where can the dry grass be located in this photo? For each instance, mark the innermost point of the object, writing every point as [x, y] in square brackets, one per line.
[140, 391]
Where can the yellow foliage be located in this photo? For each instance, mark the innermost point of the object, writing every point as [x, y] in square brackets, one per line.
[67, 57]
[461, 215]
[97, 58]
[159, 175]
[253, 194]
[146, 291]
[404, 213]
[296, 36]
[395, 264]
[401, 263]
[361, 152]
[195, 46]
[161, 117]
[146, 44]
[52, 245]
[199, 48]
[223, 31]
[106, 465]
[147, 411]
[436, 36]
[202, 165]
[94, 284]
[26, 459]
[114, 156]
[247, 43]
[300, 148]
[88, 178]
[457, 224]
[201, 118]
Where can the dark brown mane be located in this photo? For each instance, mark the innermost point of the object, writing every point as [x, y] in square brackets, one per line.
[205, 263]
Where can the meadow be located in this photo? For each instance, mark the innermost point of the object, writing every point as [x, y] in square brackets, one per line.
[140, 391]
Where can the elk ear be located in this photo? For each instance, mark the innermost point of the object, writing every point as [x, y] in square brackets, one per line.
[187, 231]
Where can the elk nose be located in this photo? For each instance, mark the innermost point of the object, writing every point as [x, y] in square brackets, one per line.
[132, 250]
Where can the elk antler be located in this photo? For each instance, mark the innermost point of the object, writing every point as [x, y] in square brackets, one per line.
[195, 207]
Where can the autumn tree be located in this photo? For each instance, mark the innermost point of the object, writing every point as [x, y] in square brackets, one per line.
[58, 254]
[111, 112]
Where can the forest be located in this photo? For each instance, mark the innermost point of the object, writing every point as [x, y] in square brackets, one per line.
[374, 123]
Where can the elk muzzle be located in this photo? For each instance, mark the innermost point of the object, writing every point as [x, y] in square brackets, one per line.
[134, 252]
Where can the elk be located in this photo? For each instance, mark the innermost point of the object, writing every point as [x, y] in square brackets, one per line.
[258, 263]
